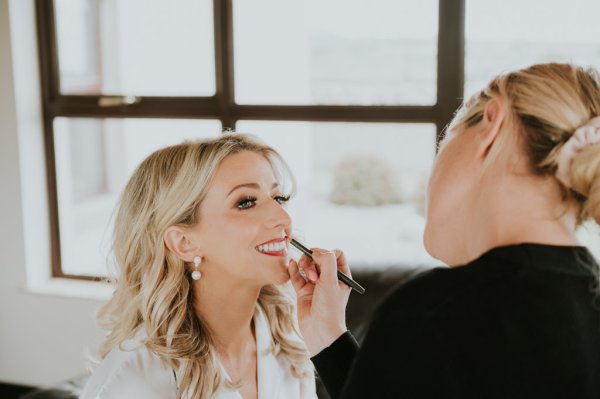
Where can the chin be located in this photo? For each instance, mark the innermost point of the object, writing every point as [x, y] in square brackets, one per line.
[281, 279]
[440, 252]
[275, 273]
[429, 242]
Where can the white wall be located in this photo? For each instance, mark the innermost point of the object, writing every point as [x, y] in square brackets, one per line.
[43, 337]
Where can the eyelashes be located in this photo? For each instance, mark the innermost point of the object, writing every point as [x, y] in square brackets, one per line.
[246, 203]
[282, 199]
[249, 201]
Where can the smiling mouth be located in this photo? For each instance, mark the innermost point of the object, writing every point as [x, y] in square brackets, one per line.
[276, 247]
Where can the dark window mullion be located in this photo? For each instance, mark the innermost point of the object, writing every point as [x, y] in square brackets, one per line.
[451, 54]
[232, 112]
[332, 113]
[48, 51]
[49, 81]
[148, 107]
[224, 68]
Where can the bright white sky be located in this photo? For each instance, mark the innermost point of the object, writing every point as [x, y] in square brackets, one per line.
[499, 20]
[374, 18]
[553, 21]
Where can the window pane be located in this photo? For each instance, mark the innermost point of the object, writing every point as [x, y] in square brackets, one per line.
[94, 160]
[343, 52]
[360, 186]
[537, 34]
[136, 47]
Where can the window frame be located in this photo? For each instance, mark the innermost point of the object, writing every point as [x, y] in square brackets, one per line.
[221, 106]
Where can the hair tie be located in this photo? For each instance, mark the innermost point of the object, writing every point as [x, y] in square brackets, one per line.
[585, 136]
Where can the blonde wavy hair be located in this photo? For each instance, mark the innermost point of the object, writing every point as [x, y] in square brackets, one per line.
[153, 289]
[545, 104]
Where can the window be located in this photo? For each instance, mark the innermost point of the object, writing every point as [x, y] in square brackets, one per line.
[338, 87]
[335, 52]
[121, 79]
[139, 47]
[94, 159]
[359, 187]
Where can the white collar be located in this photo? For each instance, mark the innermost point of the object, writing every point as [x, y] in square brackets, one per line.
[270, 371]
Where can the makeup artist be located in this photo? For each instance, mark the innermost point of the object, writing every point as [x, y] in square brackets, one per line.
[517, 313]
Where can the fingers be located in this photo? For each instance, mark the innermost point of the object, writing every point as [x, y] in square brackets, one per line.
[342, 264]
[309, 269]
[340, 260]
[298, 281]
[327, 262]
[303, 269]
[312, 275]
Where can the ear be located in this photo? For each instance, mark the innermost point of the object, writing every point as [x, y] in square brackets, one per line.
[178, 241]
[493, 116]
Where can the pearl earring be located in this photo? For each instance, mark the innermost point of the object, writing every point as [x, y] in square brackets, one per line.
[196, 273]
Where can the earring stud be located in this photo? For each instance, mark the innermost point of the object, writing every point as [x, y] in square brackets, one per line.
[196, 273]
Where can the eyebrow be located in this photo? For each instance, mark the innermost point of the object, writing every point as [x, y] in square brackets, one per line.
[251, 185]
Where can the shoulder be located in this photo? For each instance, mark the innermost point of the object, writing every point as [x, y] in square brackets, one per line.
[422, 293]
[131, 371]
[440, 290]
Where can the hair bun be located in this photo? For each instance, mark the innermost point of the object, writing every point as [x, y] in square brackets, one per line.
[585, 136]
[585, 177]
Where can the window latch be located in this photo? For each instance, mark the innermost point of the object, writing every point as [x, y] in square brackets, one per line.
[118, 101]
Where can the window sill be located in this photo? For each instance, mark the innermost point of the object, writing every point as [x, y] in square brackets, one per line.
[69, 288]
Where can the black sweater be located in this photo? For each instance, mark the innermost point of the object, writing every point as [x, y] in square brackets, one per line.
[521, 321]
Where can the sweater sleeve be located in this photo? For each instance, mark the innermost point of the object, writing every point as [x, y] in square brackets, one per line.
[401, 357]
[333, 363]
[404, 355]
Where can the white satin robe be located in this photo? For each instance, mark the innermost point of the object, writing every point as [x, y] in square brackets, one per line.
[140, 374]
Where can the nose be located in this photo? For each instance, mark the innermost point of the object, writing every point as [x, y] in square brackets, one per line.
[277, 217]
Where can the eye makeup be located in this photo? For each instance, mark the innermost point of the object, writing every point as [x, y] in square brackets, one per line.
[248, 201]
[282, 199]
[243, 202]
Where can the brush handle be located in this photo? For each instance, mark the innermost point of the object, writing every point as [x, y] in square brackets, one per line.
[341, 276]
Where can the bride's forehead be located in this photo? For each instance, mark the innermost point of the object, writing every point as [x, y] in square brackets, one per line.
[245, 163]
[244, 167]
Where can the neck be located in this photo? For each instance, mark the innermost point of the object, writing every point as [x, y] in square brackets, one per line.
[515, 209]
[227, 308]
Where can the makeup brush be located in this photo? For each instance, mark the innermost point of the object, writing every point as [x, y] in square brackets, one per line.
[341, 276]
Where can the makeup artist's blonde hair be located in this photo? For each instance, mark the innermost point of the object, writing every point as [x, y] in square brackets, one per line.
[545, 104]
[153, 289]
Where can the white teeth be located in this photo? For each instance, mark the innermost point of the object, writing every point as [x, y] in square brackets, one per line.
[272, 247]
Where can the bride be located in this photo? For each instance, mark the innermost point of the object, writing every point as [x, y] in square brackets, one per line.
[202, 306]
